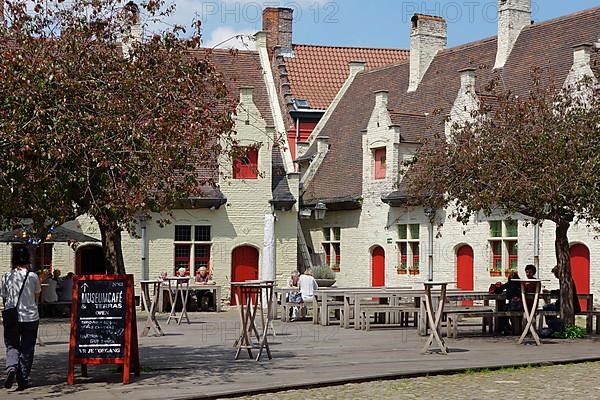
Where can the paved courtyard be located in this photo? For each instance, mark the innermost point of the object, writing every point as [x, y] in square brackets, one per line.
[197, 361]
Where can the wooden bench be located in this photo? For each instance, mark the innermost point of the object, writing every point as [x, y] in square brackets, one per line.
[454, 314]
[402, 311]
[589, 319]
[308, 305]
[332, 305]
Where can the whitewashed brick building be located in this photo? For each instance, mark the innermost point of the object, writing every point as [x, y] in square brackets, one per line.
[369, 235]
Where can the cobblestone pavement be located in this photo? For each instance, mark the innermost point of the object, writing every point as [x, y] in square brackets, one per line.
[576, 381]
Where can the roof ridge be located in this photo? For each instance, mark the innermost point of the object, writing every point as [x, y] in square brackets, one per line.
[407, 114]
[222, 50]
[384, 67]
[561, 18]
[352, 47]
[532, 26]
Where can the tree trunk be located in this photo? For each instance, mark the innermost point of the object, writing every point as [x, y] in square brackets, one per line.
[111, 245]
[564, 272]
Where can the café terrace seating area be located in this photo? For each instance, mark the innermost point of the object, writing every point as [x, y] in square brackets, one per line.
[367, 308]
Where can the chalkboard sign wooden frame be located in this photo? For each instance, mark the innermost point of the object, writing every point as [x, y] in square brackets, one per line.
[106, 306]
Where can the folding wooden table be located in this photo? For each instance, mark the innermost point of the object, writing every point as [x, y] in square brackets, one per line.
[530, 314]
[252, 296]
[182, 286]
[435, 318]
[150, 292]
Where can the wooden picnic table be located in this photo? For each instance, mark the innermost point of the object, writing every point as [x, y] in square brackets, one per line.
[212, 287]
[322, 295]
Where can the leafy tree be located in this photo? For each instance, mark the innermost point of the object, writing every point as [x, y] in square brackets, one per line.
[538, 155]
[95, 120]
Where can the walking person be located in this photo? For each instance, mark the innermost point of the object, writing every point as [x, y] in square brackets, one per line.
[20, 289]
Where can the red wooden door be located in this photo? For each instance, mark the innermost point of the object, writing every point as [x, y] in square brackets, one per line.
[580, 270]
[244, 267]
[378, 267]
[464, 270]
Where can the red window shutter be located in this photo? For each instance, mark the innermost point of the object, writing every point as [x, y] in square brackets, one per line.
[327, 249]
[403, 256]
[414, 247]
[496, 255]
[182, 257]
[380, 163]
[512, 255]
[202, 257]
[246, 166]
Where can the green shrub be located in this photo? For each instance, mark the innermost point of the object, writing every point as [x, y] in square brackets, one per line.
[323, 272]
[570, 332]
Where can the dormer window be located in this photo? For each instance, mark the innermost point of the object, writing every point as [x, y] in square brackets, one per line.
[380, 163]
[245, 166]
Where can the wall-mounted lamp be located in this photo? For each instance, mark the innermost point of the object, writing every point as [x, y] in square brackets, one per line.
[305, 213]
[320, 210]
[430, 213]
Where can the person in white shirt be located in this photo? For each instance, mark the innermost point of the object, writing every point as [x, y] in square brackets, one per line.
[307, 286]
[20, 338]
[50, 293]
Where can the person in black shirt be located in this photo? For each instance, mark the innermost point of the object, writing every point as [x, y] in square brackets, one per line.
[555, 324]
[511, 325]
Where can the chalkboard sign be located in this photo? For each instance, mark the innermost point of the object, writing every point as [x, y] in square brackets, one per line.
[103, 324]
[100, 328]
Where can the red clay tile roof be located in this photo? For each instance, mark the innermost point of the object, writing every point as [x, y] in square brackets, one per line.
[547, 45]
[317, 73]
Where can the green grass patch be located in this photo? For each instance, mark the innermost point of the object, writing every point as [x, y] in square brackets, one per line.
[570, 332]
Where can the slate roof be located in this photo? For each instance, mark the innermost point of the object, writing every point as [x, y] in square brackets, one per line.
[316, 73]
[282, 196]
[547, 45]
[60, 234]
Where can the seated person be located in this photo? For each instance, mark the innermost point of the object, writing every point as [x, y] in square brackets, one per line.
[56, 275]
[49, 292]
[510, 325]
[67, 288]
[307, 285]
[293, 296]
[555, 324]
[204, 298]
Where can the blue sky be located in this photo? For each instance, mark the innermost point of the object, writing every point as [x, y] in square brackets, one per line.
[375, 23]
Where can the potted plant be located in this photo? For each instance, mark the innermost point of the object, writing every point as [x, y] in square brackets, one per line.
[402, 270]
[323, 275]
[495, 272]
[414, 271]
[508, 272]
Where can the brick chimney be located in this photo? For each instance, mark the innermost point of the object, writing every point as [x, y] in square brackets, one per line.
[513, 16]
[132, 28]
[277, 22]
[429, 35]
